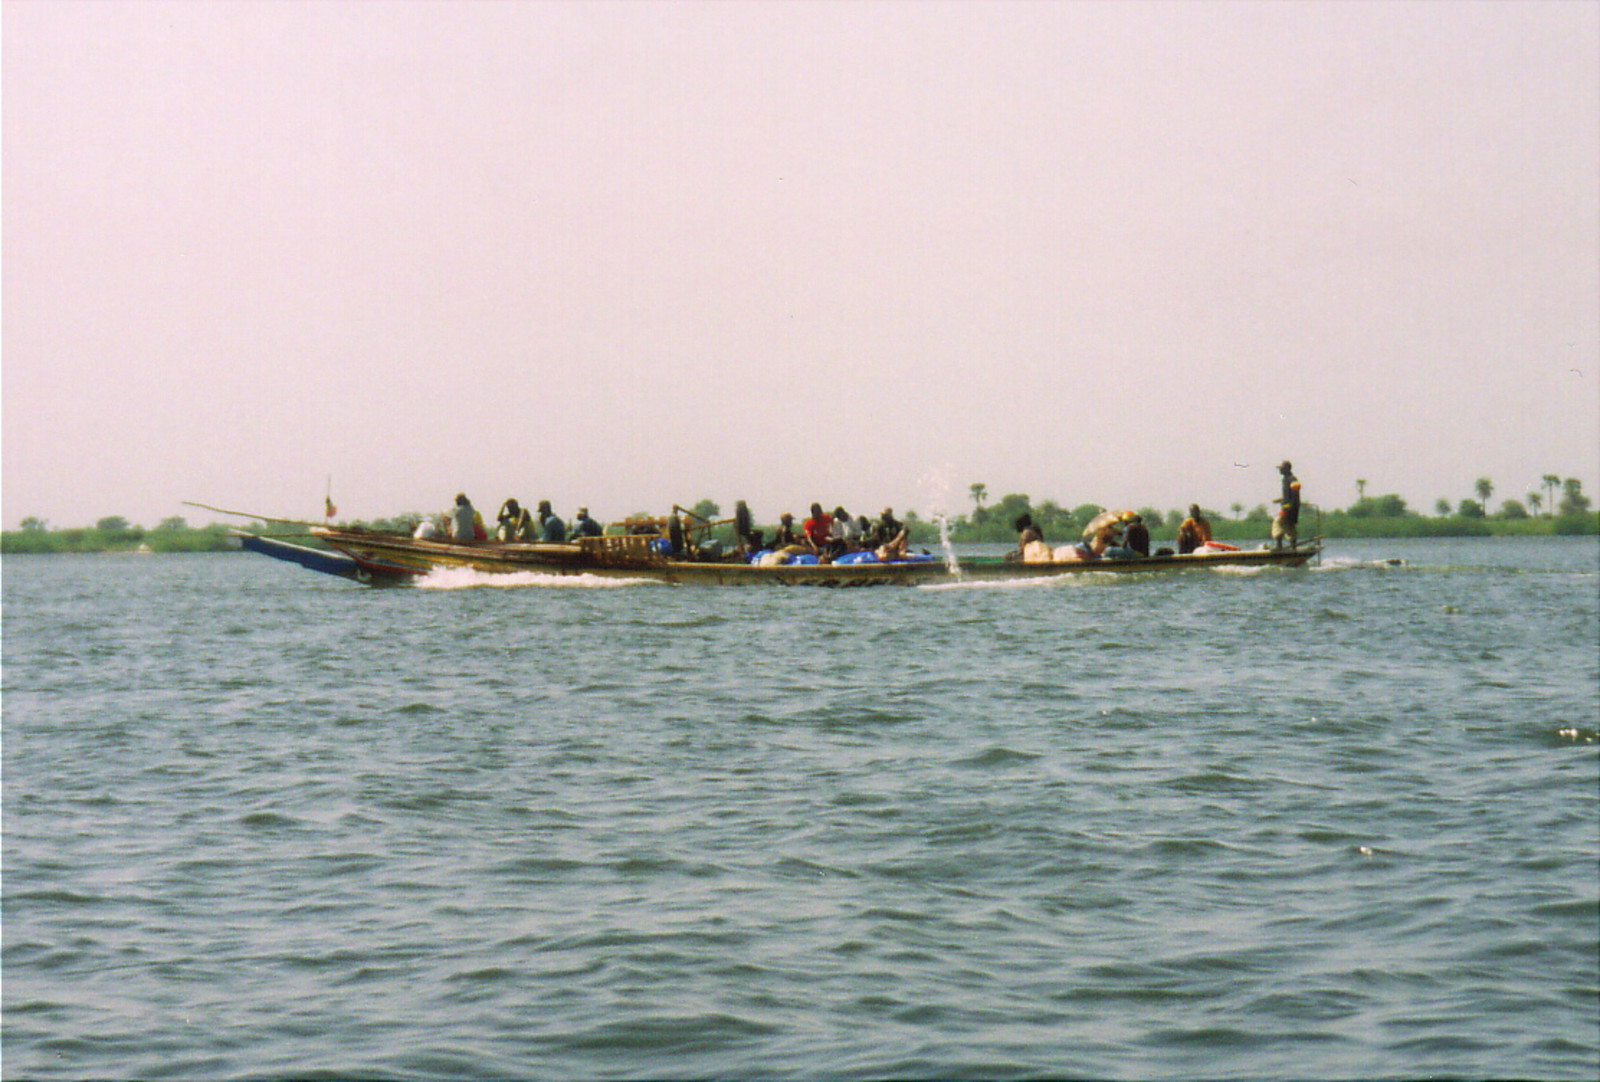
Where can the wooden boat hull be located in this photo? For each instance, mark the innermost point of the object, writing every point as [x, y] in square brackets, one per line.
[329, 563]
[386, 559]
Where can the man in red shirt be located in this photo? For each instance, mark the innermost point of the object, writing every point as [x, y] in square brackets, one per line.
[818, 530]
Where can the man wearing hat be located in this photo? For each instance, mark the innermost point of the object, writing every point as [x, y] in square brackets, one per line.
[584, 526]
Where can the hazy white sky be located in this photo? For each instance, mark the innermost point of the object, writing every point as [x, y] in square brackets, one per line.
[863, 253]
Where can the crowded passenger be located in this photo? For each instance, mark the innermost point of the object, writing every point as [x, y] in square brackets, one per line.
[1096, 524]
[896, 548]
[752, 544]
[784, 536]
[552, 531]
[463, 519]
[1194, 531]
[1137, 535]
[888, 526]
[1116, 544]
[509, 521]
[818, 530]
[1103, 533]
[1031, 547]
[844, 537]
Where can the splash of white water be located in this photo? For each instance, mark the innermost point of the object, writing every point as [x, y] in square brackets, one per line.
[936, 489]
[949, 549]
[462, 578]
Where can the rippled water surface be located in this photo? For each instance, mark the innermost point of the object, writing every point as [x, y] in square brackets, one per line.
[1339, 822]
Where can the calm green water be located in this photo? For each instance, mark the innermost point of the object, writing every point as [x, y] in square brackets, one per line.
[1340, 822]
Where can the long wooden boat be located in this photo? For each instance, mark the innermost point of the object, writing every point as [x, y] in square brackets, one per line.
[391, 559]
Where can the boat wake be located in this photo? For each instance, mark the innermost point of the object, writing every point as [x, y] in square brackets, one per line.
[1025, 582]
[1345, 563]
[462, 578]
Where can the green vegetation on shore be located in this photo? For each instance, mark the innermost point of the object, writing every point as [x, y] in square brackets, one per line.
[1569, 513]
[115, 534]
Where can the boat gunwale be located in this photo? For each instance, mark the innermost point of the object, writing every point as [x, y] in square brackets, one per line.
[500, 557]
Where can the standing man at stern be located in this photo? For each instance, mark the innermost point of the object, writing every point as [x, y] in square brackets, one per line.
[1285, 525]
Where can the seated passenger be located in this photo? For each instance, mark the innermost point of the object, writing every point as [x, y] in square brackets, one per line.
[1137, 536]
[888, 526]
[1107, 536]
[509, 521]
[461, 518]
[818, 531]
[784, 535]
[584, 526]
[552, 531]
[1194, 531]
[1118, 548]
[1094, 526]
[894, 548]
[1029, 538]
[844, 536]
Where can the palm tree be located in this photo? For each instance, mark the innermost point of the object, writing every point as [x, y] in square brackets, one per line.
[980, 492]
[1535, 502]
[1238, 510]
[1484, 488]
[1551, 483]
[1361, 489]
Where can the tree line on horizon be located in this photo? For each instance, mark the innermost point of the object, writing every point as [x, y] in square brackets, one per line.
[1559, 506]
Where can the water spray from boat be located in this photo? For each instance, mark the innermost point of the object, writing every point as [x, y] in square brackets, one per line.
[936, 490]
[465, 578]
[945, 545]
